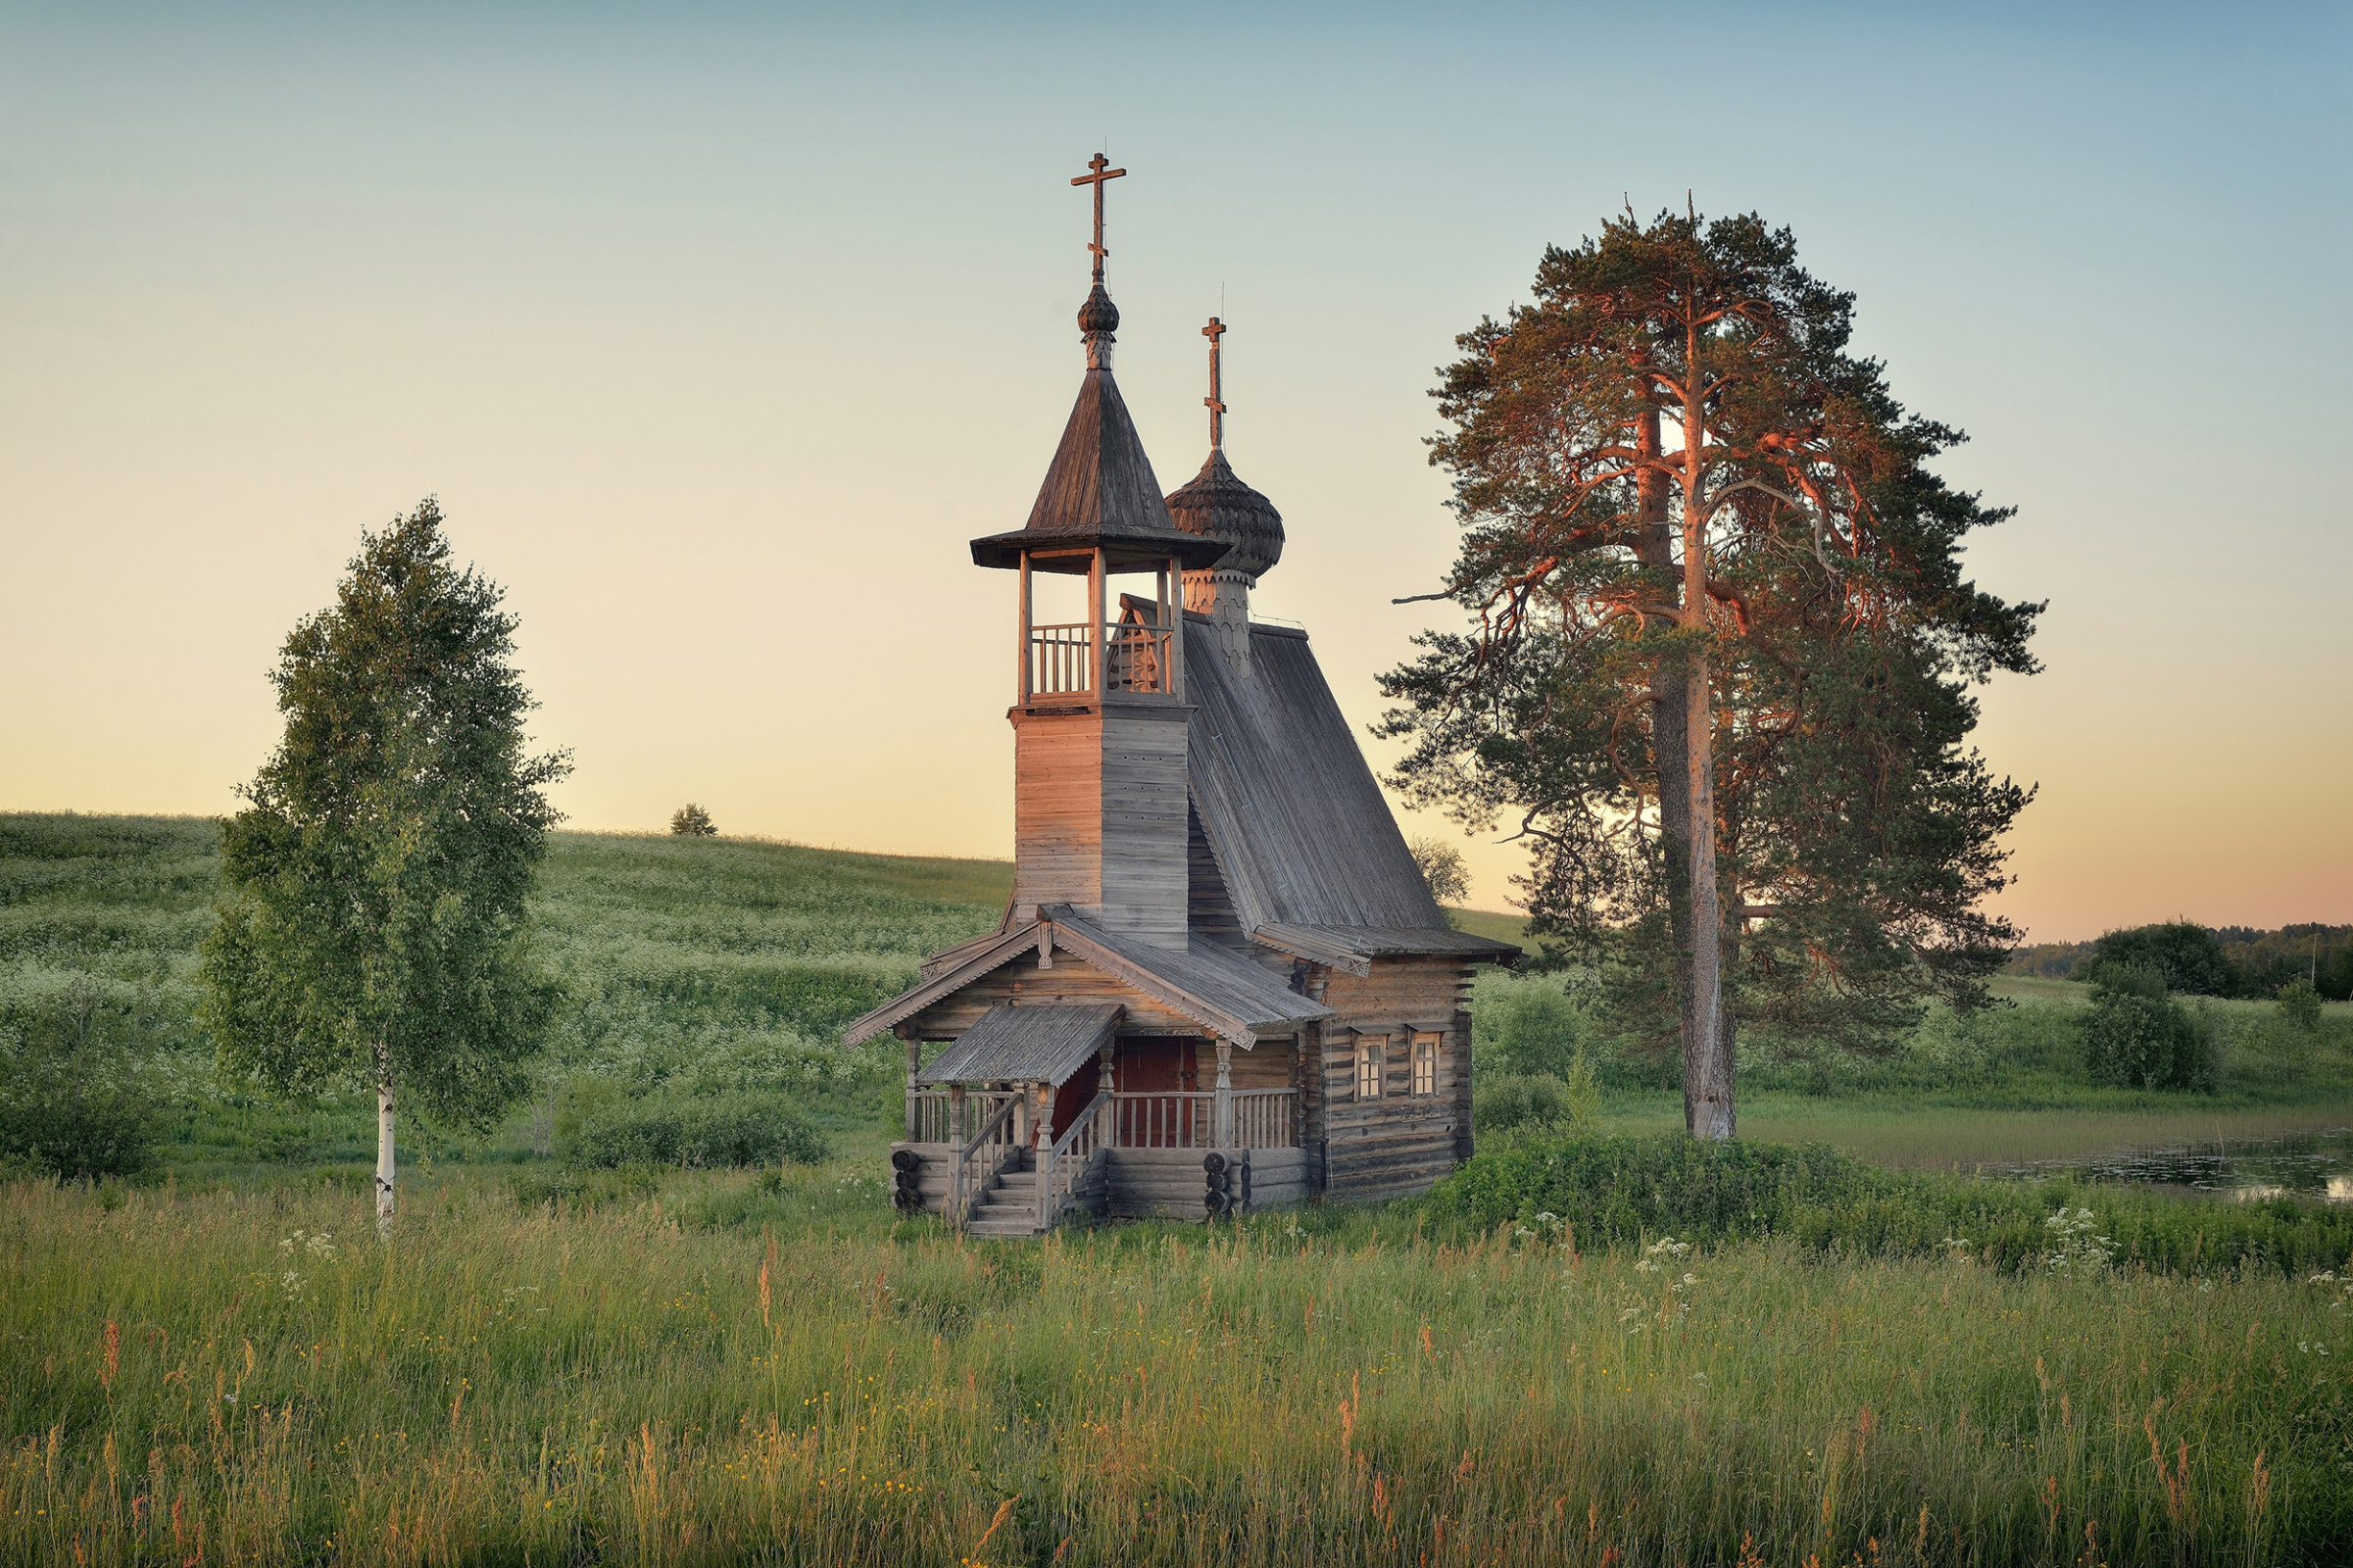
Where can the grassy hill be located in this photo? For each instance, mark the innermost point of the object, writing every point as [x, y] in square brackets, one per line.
[771, 1366]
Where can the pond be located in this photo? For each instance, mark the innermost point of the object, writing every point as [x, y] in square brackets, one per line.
[2315, 1165]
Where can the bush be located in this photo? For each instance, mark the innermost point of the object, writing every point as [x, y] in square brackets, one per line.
[1515, 1102]
[2137, 1036]
[2300, 1006]
[78, 1093]
[1625, 1191]
[692, 821]
[741, 1130]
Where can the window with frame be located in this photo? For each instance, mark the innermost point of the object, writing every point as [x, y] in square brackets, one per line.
[1425, 1065]
[1369, 1051]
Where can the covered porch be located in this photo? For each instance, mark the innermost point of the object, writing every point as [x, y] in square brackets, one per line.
[1039, 1109]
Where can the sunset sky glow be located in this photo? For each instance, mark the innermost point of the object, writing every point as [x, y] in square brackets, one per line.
[719, 331]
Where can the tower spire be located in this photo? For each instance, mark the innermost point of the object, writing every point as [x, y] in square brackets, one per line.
[1216, 400]
[1102, 170]
[1099, 317]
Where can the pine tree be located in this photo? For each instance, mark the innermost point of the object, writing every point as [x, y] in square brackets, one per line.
[374, 929]
[1723, 647]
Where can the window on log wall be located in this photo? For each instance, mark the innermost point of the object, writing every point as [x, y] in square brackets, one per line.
[1425, 1065]
[1370, 1049]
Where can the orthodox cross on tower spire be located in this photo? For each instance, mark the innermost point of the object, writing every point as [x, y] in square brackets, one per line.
[1103, 170]
[1216, 400]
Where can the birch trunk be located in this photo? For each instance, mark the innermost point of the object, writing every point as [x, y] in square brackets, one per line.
[383, 1154]
[1708, 1059]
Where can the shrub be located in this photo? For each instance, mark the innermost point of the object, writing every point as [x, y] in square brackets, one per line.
[1624, 1191]
[2136, 1036]
[78, 1093]
[2300, 1006]
[692, 821]
[694, 1132]
[1513, 1102]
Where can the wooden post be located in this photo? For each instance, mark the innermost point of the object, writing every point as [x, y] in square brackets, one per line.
[914, 1064]
[1225, 1094]
[1176, 628]
[1106, 1116]
[1098, 574]
[958, 1136]
[1021, 684]
[1045, 1159]
[1021, 1116]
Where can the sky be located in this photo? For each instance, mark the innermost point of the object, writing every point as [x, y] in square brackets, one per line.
[719, 330]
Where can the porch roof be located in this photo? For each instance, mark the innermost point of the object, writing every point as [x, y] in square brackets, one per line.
[1038, 1044]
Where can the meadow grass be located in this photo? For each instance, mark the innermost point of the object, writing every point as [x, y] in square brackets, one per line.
[718, 1373]
[549, 1365]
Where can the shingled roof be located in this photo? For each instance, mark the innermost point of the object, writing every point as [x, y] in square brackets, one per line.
[1309, 852]
[1024, 1044]
[1100, 489]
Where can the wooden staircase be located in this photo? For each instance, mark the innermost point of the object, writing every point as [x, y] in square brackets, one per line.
[1010, 1205]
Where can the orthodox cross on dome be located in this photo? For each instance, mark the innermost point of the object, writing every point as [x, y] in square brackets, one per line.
[1216, 400]
[1102, 171]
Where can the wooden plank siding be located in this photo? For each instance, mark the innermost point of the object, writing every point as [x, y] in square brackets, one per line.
[1057, 811]
[1144, 876]
[1071, 980]
[1100, 815]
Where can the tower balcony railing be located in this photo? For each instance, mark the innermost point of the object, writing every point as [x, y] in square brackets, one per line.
[1137, 657]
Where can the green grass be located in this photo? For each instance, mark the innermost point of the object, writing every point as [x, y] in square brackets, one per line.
[615, 1384]
[715, 965]
[556, 1365]
[1493, 923]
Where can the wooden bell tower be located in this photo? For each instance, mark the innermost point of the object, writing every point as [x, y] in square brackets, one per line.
[1099, 716]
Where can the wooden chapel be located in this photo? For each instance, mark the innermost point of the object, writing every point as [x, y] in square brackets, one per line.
[1221, 981]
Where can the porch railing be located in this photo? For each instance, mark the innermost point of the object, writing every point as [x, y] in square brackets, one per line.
[1067, 1162]
[979, 1159]
[1256, 1118]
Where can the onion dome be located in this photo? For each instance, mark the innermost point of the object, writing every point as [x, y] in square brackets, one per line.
[1099, 314]
[1217, 505]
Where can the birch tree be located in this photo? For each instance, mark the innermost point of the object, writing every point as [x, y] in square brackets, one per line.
[373, 931]
[1708, 572]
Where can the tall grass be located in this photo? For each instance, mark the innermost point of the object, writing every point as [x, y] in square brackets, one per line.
[190, 1378]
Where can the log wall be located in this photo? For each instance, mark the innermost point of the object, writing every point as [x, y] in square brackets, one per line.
[1401, 1143]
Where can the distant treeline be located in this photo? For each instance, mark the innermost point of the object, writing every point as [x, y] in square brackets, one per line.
[2231, 961]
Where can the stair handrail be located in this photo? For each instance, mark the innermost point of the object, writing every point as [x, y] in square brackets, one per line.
[958, 1177]
[1078, 1146]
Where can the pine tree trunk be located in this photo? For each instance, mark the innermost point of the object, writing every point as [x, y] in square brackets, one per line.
[1670, 708]
[1707, 1061]
[383, 1154]
[1706, 1080]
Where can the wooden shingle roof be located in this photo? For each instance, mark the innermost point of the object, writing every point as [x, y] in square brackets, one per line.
[1302, 834]
[1099, 491]
[1040, 1043]
[1227, 996]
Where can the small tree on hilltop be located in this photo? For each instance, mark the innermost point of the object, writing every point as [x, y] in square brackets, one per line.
[1441, 866]
[692, 821]
[373, 930]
